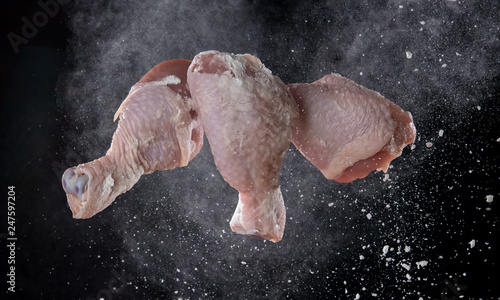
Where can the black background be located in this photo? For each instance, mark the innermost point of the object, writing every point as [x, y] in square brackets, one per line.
[169, 237]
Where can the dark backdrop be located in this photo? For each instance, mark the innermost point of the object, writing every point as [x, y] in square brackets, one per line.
[63, 77]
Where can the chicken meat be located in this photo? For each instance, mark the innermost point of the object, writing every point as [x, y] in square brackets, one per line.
[248, 117]
[157, 130]
[346, 130]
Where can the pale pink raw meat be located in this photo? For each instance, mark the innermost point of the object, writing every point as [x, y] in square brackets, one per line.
[346, 130]
[157, 130]
[248, 116]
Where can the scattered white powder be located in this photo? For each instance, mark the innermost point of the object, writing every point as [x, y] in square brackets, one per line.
[441, 132]
[170, 79]
[406, 266]
[472, 243]
[422, 263]
[386, 177]
[107, 185]
[489, 198]
[428, 144]
[385, 249]
[369, 216]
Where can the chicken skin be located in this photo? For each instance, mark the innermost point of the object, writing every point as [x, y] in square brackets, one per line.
[157, 130]
[248, 116]
[346, 130]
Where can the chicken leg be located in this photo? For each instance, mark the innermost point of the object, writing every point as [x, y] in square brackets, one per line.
[346, 130]
[248, 116]
[157, 130]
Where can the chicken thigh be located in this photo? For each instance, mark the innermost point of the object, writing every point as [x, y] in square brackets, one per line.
[157, 130]
[248, 116]
[346, 130]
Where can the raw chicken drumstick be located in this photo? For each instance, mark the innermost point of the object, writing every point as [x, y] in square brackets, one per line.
[158, 130]
[346, 130]
[248, 116]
